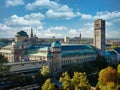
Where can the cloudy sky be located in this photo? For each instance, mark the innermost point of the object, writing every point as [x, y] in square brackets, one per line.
[58, 18]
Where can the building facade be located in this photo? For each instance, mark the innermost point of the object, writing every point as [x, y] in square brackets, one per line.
[99, 35]
[54, 54]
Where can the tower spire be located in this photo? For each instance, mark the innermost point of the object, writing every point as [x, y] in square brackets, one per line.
[80, 35]
[31, 35]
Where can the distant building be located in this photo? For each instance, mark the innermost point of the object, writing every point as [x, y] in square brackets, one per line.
[66, 39]
[99, 35]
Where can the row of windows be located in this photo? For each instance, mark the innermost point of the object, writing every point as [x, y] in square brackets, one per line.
[86, 59]
[36, 57]
[80, 56]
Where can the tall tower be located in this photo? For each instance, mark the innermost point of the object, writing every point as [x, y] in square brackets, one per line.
[56, 57]
[80, 36]
[99, 35]
[31, 34]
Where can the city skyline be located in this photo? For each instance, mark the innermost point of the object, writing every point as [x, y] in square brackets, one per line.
[58, 18]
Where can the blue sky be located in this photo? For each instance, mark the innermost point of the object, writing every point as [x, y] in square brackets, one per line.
[58, 18]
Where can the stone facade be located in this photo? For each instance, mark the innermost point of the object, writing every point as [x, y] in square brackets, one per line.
[99, 35]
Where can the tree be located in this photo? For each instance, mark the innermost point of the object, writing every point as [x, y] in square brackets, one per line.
[118, 69]
[48, 85]
[108, 78]
[3, 59]
[80, 81]
[45, 71]
[66, 81]
[3, 68]
[101, 62]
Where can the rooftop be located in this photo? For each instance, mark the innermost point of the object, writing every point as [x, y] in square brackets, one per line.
[76, 47]
[22, 33]
[56, 44]
[78, 53]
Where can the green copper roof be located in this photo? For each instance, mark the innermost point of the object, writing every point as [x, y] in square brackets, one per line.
[22, 33]
[56, 44]
[78, 53]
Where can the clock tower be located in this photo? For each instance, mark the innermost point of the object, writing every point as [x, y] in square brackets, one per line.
[99, 35]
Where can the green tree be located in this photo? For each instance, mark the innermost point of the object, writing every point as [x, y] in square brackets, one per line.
[45, 71]
[3, 68]
[48, 85]
[101, 62]
[118, 69]
[3, 59]
[80, 81]
[66, 81]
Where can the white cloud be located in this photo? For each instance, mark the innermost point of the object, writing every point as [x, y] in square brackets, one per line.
[64, 8]
[32, 19]
[54, 10]
[52, 34]
[14, 2]
[103, 15]
[34, 16]
[86, 32]
[60, 14]
[58, 28]
[109, 23]
[4, 27]
[9, 31]
[73, 32]
[41, 4]
[107, 15]
[86, 16]
[16, 23]
[57, 31]
[113, 33]
[90, 24]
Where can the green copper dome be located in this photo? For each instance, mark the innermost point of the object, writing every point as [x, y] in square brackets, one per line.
[22, 33]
